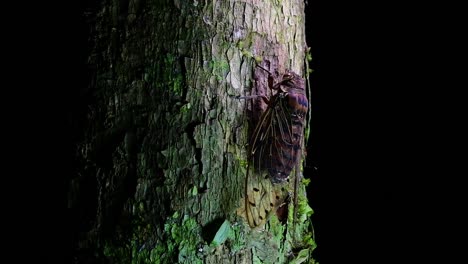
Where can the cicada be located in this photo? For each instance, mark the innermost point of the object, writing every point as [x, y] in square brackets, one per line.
[275, 146]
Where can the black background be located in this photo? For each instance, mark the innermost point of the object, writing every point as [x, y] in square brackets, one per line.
[384, 190]
[354, 189]
[377, 136]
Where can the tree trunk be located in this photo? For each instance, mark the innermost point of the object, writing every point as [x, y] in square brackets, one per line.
[162, 156]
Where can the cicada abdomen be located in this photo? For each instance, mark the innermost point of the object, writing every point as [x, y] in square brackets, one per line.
[275, 146]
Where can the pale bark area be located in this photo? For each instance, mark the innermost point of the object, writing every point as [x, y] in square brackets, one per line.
[165, 141]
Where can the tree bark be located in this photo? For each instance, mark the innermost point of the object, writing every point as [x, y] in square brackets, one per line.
[162, 155]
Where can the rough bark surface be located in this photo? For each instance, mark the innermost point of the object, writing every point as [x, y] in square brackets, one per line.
[161, 159]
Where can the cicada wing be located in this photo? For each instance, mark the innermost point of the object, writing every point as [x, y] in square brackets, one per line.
[258, 189]
[262, 196]
[262, 199]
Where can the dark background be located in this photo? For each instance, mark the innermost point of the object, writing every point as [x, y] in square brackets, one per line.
[382, 137]
[375, 137]
[354, 189]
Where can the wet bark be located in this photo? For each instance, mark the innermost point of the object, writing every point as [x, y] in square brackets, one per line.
[161, 157]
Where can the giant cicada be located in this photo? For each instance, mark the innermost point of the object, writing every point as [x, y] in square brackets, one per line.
[276, 145]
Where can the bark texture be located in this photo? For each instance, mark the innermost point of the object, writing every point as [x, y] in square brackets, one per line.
[161, 159]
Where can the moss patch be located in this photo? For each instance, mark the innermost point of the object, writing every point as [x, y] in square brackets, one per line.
[180, 241]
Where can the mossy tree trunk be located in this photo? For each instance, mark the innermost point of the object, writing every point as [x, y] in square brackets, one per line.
[162, 154]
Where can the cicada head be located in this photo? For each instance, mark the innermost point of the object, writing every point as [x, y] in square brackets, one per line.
[293, 80]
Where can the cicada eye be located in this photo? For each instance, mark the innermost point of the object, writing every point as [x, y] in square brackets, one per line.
[289, 82]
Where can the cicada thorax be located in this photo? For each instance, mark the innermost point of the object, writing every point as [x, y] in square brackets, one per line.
[275, 148]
